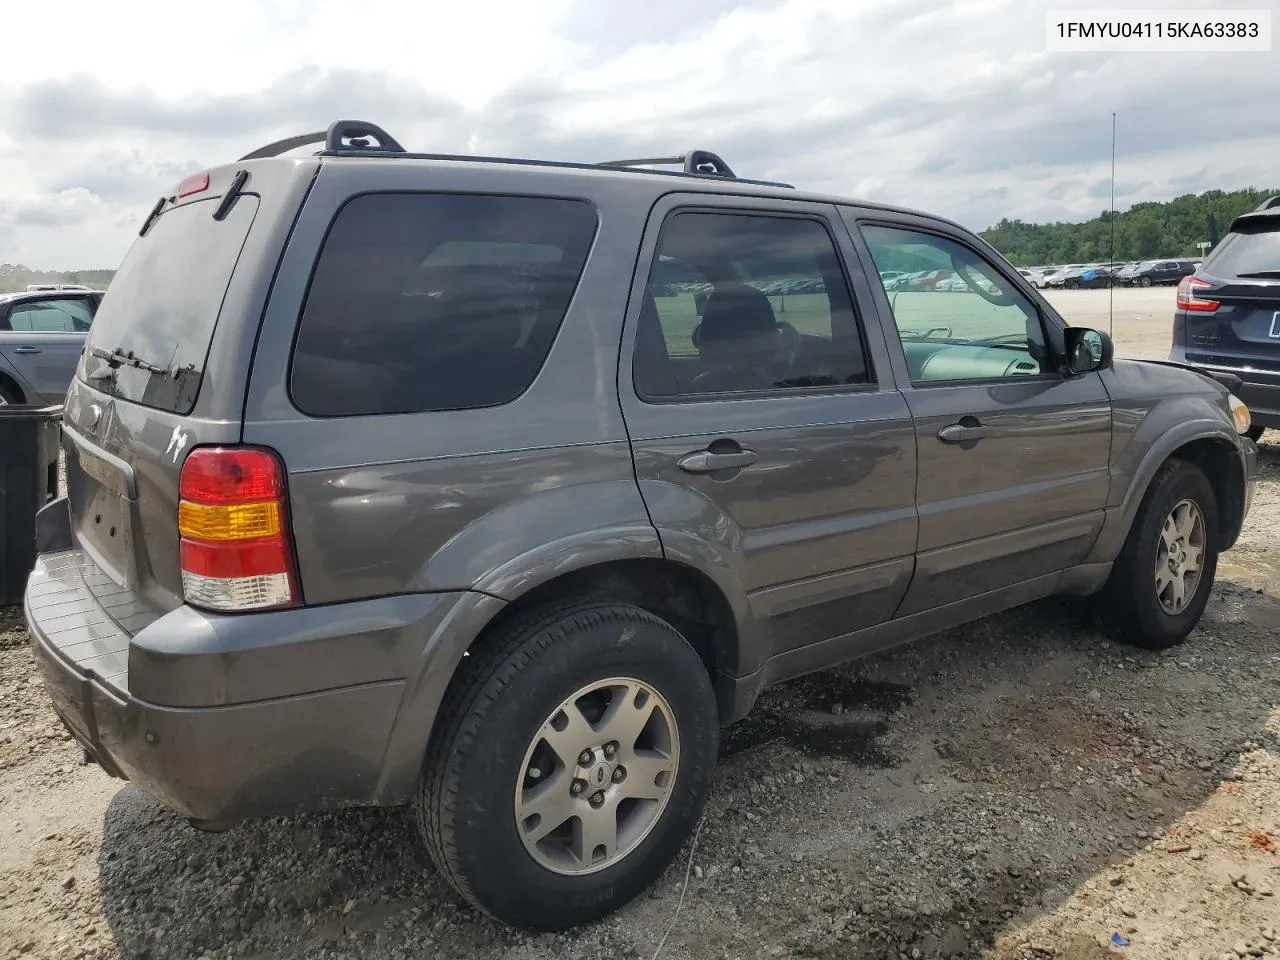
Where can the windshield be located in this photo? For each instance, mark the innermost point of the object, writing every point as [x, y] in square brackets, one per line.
[151, 335]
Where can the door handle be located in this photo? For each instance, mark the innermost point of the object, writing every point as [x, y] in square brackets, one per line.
[25, 351]
[964, 432]
[706, 461]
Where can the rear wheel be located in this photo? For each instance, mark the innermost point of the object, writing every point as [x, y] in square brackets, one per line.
[7, 396]
[573, 758]
[1161, 580]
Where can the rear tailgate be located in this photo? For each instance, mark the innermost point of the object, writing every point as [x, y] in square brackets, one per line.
[164, 370]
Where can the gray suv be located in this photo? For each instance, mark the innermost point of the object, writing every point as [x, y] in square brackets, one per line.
[496, 488]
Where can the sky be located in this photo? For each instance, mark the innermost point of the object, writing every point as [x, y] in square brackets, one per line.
[952, 106]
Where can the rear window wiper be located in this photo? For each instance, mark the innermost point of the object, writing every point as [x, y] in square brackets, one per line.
[1260, 275]
[115, 358]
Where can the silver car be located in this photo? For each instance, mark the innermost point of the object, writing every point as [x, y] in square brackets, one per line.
[41, 336]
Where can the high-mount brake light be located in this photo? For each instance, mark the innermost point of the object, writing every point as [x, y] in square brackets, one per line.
[236, 548]
[1187, 299]
[196, 183]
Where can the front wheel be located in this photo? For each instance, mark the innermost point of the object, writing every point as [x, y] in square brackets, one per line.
[572, 760]
[1161, 581]
[1144, 281]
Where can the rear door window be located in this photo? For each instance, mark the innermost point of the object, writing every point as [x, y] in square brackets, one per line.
[67, 315]
[426, 302]
[151, 335]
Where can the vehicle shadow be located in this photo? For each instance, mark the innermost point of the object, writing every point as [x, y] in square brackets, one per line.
[929, 798]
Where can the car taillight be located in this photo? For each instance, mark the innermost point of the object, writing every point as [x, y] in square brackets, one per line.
[236, 548]
[1187, 299]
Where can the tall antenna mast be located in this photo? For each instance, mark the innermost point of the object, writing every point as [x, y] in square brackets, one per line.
[1111, 268]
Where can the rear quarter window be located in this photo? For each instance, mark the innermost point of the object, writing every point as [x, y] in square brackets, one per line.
[429, 302]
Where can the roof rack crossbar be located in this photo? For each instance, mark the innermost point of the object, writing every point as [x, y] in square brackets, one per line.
[343, 136]
[702, 162]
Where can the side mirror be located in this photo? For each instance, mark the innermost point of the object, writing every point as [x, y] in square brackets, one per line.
[1088, 350]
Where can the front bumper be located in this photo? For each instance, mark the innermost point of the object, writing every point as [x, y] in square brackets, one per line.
[320, 746]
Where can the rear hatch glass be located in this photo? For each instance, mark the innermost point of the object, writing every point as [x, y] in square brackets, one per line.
[128, 417]
[1252, 253]
[150, 338]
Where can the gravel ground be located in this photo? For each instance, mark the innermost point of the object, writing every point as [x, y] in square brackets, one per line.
[1020, 788]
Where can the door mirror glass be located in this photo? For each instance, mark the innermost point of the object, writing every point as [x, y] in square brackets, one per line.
[1087, 349]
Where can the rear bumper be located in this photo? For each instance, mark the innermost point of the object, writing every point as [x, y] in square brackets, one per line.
[322, 747]
[1259, 389]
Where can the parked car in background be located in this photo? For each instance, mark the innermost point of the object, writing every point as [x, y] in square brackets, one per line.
[1060, 278]
[41, 335]
[1227, 316]
[417, 492]
[1156, 273]
[1044, 276]
[1089, 278]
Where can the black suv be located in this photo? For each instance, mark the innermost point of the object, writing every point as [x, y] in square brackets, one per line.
[1157, 273]
[1228, 312]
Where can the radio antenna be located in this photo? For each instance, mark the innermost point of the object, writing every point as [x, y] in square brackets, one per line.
[1111, 268]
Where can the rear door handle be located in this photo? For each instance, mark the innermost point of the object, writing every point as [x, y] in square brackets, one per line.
[704, 461]
[26, 350]
[964, 433]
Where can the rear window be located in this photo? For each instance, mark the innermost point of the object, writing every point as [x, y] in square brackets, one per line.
[150, 337]
[436, 301]
[1254, 251]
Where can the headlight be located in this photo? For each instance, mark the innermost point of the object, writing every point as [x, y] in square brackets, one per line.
[1239, 413]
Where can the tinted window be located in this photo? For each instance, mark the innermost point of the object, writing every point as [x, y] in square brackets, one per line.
[163, 304]
[51, 316]
[739, 302]
[971, 325]
[436, 302]
[1254, 252]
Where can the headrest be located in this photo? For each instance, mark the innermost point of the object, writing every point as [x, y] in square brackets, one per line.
[735, 310]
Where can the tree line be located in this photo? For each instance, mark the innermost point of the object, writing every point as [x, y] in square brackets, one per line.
[1146, 231]
[14, 277]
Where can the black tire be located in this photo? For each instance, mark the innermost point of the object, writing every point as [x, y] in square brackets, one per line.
[465, 804]
[1144, 281]
[7, 395]
[1135, 611]
[1255, 433]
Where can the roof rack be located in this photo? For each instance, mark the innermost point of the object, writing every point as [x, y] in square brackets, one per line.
[360, 138]
[342, 137]
[696, 162]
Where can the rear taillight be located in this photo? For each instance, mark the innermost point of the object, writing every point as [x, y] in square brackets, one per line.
[196, 183]
[237, 552]
[1187, 299]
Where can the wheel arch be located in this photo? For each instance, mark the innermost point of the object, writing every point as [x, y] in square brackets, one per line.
[12, 387]
[1209, 446]
[682, 595]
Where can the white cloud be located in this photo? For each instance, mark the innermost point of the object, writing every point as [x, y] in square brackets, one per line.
[952, 107]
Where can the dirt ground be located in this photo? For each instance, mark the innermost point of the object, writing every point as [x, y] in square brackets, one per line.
[1020, 788]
